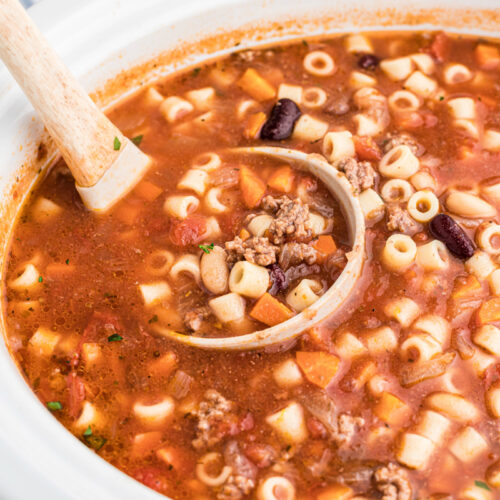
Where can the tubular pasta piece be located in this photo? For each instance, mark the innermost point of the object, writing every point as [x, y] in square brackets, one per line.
[358, 80]
[424, 62]
[293, 92]
[338, 146]
[397, 69]
[29, 279]
[159, 262]
[372, 205]
[399, 163]
[207, 162]
[462, 108]
[209, 479]
[421, 84]
[434, 325]
[308, 128]
[174, 108]
[396, 191]
[249, 280]
[314, 97]
[488, 337]
[154, 414]
[491, 140]
[194, 179]
[453, 406]
[260, 224]
[319, 63]
[44, 209]
[480, 265]
[202, 99]
[423, 206]
[398, 253]
[229, 307]
[287, 374]
[454, 73]
[187, 263]
[181, 206]
[433, 256]
[469, 205]
[403, 100]
[88, 417]
[358, 44]
[304, 294]
[43, 342]
[153, 293]
[403, 310]
[423, 344]
[469, 445]
[276, 488]
[485, 236]
[289, 423]
[414, 451]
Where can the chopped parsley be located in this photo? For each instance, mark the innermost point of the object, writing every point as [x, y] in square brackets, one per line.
[54, 405]
[206, 248]
[441, 97]
[115, 338]
[196, 71]
[482, 484]
[117, 144]
[154, 319]
[95, 442]
[67, 262]
[40, 279]
[87, 432]
[137, 139]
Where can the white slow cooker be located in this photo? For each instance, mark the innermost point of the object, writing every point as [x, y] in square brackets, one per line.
[99, 39]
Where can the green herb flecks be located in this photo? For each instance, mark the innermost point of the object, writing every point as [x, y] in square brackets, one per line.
[115, 338]
[137, 139]
[196, 71]
[54, 405]
[206, 248]
[40, 279]
[153, 319]
[67, 262]
[87, 432]
[117, 144]
[482, 484]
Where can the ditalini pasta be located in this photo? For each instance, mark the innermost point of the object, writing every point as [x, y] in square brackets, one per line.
[396, 397]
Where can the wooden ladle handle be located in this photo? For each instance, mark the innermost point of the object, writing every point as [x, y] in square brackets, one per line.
[85, 137]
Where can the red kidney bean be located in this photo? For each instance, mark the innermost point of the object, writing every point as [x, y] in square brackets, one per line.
[444, 228]
[368, 61]
[281, 121]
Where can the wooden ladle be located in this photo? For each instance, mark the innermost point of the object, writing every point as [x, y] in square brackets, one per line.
[105, 164]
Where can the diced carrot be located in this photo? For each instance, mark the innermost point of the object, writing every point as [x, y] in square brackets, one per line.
[487, 56]
[244, 234]
[325, 244]
[259, 88]
[252, 187]
[336, 492]
[127, 213]
[465, 286]
[282, 179]
[366, 148]
[489, 311]
[147, 191]
[270, 310]
[254, 124]
[319, 367]
[392, 410]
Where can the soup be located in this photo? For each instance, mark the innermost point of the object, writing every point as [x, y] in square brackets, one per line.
[401, 398]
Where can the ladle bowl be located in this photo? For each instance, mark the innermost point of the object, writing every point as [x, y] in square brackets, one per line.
[332, 301]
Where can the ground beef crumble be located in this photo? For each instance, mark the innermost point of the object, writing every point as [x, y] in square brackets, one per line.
[347, 426]
[194, 319]
[400, 220]
[242, 480]
[257, 250]
[211, 413]
[291, 219]
[403, 140]
[294, 253]
[392, 481]
[360, 174]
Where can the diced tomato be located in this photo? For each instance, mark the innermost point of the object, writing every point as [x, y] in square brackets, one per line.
[247, 422]
[76, 394]
[366, 148]
[152, 477]
[262, 455]
[187, 232]
[316, 428]
[440, 47]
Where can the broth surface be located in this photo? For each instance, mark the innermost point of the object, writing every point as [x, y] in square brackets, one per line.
[398, 400]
